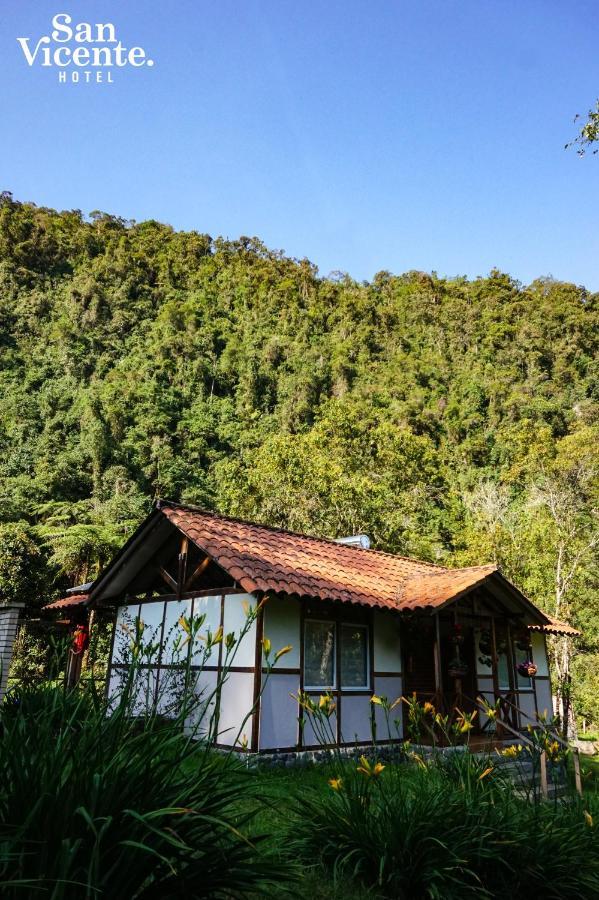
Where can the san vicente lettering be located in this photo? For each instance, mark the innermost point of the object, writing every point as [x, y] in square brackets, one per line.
[82, 45]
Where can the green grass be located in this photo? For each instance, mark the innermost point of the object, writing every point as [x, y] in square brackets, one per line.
[437, 812]
[279, 790]
[589, 768]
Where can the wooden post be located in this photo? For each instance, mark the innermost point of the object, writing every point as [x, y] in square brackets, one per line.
[577, 778]
[544, 789]
[438, 667]
[182, 572]
[494, 658]
[255, 721]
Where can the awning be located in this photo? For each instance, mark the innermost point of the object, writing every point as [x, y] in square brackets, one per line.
[71, 600]
[555, 626]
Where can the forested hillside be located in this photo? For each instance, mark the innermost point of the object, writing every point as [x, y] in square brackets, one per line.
[452, 420]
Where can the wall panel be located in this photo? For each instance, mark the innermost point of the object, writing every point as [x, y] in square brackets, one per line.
[386, 643]
[392, 689]
[235, 621]
[282, 627]
[210, 608]
[310, 738]
[539, 653]
[279, 713]
[544, 698]
[355, 718]
[237, 697]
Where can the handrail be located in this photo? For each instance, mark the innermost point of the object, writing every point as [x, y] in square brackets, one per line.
[573, 750]
[518, 709]
[514, 731]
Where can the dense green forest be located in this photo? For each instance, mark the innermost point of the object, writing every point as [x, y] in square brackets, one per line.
[449, 419]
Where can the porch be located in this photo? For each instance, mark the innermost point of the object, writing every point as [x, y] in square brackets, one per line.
[476, 649]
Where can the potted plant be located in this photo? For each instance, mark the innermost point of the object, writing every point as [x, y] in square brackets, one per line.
[458, 634]
[457, 668]
[522, 639]
[527, 668]
[485, 648]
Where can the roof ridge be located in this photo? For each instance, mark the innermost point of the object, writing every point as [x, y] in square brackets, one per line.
[485, 566]
[159, 503]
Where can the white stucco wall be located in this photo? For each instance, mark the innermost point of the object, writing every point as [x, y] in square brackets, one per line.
[386, 643]
[282, 627]
[234, 621]
[539, 653]
[278, 711]
[161, 621]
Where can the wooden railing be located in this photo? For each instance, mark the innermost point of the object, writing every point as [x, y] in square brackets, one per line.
[516, 732]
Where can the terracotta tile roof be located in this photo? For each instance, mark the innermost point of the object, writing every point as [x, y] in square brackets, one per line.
[261, 558]
[556, 627]
[71, 600]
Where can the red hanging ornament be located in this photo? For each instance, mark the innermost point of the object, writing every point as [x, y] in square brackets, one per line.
[80, 639]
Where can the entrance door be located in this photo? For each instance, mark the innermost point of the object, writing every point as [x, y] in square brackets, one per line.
[459, 689]
[418, 641]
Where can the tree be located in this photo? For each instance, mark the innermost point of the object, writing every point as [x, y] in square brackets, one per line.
[589, 132]
[25, 575]
[568, 497]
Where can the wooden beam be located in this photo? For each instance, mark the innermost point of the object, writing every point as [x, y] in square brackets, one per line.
[255, 720]
[168, 578]
[182, 568]
[197, 572]
[438, 668]
[543, 761]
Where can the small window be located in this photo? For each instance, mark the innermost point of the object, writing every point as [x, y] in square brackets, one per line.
[319, 654]
[354, 656]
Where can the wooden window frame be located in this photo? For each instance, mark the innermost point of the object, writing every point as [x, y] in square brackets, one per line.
[337, 686]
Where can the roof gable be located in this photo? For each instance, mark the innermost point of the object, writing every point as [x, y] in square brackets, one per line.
[262, 558]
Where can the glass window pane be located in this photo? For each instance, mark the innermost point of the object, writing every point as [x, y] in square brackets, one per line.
[354, 656]
[319, 654]
[503, 671]
[503, 656]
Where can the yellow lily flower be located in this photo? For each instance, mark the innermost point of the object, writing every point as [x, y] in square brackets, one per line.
[283, 651]
[336, 783]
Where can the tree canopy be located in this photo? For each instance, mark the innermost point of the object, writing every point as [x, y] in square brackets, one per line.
[450, 419]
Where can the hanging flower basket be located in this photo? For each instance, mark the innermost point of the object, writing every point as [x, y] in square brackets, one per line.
[457, 668]
[458, 634]
[527, 669]
[522, 639]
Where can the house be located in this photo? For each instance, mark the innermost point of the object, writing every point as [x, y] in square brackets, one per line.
[360, 623]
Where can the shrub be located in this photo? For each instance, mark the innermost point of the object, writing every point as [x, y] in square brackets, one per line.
[97, 803]
[435, 831]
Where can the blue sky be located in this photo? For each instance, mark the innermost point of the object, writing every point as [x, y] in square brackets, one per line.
[363, 135]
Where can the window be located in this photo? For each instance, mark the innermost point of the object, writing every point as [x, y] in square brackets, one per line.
[320, 655]
[354, 656]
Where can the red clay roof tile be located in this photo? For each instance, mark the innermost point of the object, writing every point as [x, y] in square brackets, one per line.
[556, 627]
[262, 558]
[71, 600]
